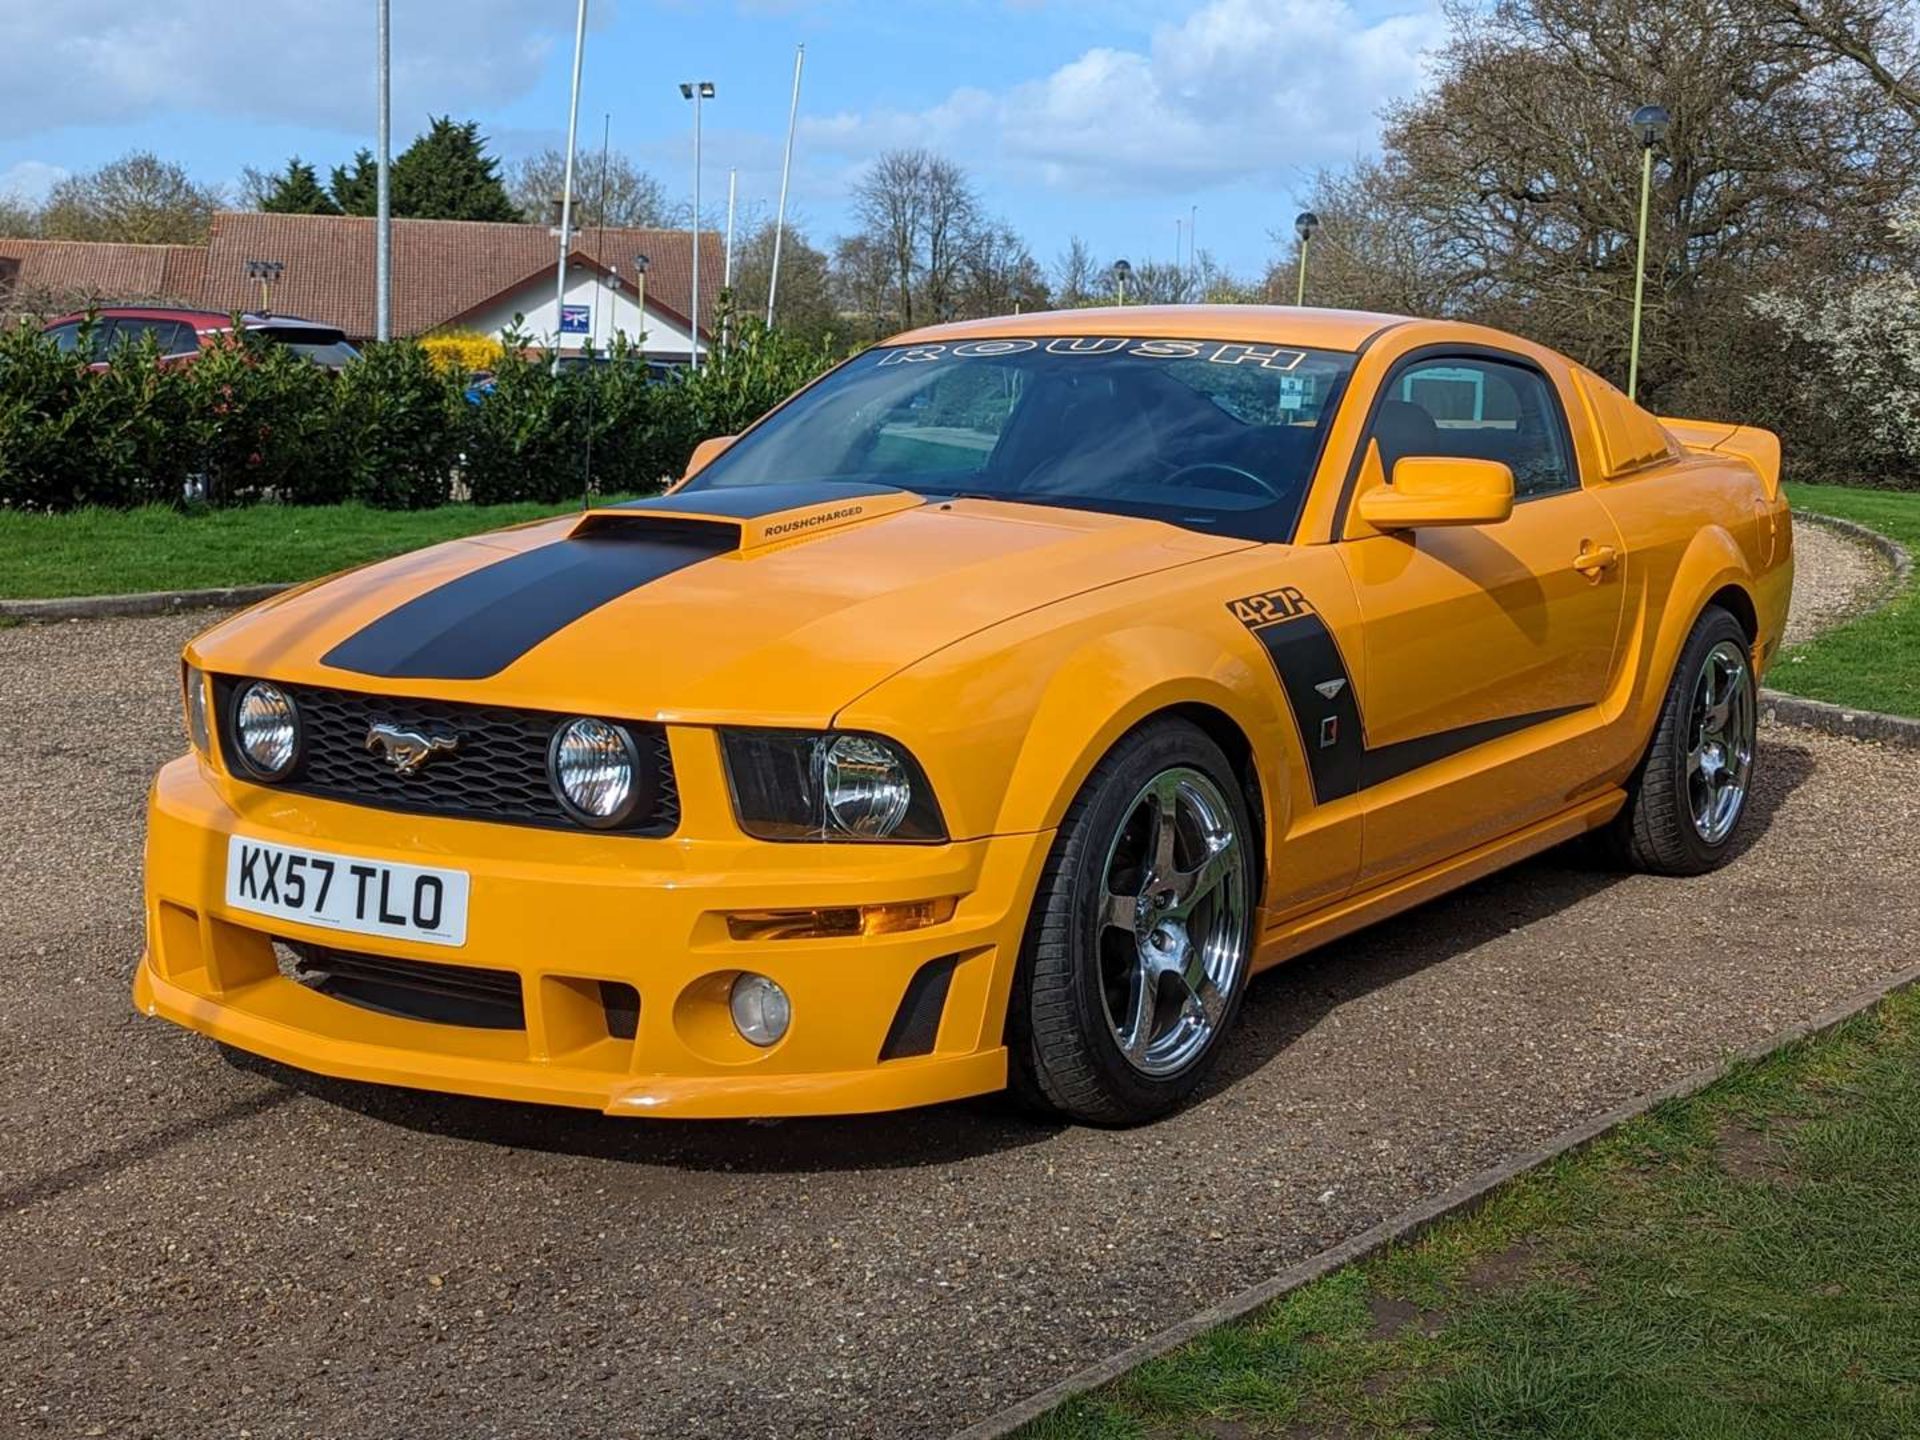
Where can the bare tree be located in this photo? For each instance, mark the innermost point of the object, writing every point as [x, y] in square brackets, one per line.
[1077, 276]
[18, 217]
[863, 284]
[999, 275]
[1508, 190]
[139, 198]
[805, 303]
[919, 210]
[625, 196]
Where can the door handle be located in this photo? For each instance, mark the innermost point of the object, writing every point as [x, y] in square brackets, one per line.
[1593, 561]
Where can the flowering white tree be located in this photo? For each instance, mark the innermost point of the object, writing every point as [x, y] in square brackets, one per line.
[1863, 349]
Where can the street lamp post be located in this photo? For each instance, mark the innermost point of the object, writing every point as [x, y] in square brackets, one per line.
[1649, 128]
[696, 91]
[1306, 225]
[1121, 270]
[267, 272]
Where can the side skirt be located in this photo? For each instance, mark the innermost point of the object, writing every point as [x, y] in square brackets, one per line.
[1355, 912]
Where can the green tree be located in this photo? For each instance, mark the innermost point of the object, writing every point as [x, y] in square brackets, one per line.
[446, 174]
[354, 189]
[297, 191]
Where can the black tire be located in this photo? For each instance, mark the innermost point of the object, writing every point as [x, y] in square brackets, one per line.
[1065, 1058]
[1656, 832]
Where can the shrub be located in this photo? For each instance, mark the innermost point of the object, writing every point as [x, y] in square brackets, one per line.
[71, 436]
[397, 426]
[260, 423]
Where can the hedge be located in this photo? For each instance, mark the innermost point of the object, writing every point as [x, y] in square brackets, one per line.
[249, 420]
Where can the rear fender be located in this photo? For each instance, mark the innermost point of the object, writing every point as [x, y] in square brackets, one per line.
[1712, 562]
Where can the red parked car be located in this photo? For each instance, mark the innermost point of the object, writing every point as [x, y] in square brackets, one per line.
[183, 334]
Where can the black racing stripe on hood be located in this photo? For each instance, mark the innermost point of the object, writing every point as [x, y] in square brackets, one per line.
[480, 623]
[751, 502]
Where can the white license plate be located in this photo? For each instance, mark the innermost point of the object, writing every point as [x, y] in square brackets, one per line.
[344, 892]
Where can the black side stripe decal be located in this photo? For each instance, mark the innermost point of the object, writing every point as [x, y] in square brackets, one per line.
[481, 622]
[1319, 689]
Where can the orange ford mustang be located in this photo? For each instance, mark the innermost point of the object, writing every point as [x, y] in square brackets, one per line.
[986, 715]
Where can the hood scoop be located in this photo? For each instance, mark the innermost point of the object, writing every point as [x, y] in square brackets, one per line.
[746, 517]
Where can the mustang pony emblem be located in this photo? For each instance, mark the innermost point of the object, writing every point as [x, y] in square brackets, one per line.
[407, 750]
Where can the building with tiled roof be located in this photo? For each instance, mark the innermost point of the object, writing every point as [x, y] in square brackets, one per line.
[447, 275]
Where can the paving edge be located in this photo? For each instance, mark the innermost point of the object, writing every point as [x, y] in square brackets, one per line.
[1850, 721]
[151, 602]
[1410, 1224]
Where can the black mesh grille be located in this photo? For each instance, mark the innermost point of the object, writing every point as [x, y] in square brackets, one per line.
[497, 772]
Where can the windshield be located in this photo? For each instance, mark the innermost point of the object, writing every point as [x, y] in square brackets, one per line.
[313, 342]
[1213, 435]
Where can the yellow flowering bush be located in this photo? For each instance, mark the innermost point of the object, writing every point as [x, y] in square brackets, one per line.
[461, 350]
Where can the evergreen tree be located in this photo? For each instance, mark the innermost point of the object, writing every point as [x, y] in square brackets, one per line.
[446, 174]
[297, 192]
[355, 190]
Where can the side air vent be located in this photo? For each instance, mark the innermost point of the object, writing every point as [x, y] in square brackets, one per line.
[916, 1024]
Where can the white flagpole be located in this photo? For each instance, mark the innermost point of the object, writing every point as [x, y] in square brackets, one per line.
[566, 190]
[786, 170]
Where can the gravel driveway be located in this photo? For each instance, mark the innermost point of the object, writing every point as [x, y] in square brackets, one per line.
[189, 1247]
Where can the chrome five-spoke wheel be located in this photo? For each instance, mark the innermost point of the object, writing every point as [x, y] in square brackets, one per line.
[1686, 800]
[1720, 735]
[1141, 935]
[1172, 933]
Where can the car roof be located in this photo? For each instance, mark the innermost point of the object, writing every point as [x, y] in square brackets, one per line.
[199, 319]
[1295, 325]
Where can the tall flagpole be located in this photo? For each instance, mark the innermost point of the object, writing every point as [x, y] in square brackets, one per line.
[383, 194]
[566, 190]
[786, 170]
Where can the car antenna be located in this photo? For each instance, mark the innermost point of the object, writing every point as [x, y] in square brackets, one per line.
[599, 253]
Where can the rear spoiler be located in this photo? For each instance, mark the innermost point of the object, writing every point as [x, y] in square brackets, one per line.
[1759, 448]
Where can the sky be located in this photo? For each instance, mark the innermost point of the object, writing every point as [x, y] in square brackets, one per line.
[1108, 119]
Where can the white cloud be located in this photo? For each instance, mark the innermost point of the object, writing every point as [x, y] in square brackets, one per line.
[1240, 89]
[29, 181]
[105, 62]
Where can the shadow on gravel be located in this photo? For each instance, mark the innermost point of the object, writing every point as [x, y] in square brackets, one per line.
[1282, 1005]
[1290, 1000]
[941, 1135]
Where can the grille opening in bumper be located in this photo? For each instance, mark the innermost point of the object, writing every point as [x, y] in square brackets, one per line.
[622, 1004]
[412, 989]
[497, 770]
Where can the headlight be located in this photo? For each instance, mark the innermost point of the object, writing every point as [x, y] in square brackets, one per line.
[864, 785]
[268, 730]
[593, 766]
[195, 685]
[797, 785]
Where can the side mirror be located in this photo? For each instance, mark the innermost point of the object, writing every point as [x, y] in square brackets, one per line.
[705, 453]
[1438, 490]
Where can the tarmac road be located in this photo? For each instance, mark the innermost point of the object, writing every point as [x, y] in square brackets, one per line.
[191, 1247]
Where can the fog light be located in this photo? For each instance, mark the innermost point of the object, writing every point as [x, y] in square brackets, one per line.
[761, 1012]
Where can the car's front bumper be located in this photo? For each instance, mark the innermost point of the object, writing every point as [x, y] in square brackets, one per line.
[565, 911]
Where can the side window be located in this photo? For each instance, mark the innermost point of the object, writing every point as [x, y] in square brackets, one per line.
[180, 339]
[129, 332]
[66, 336]
[1477, 409]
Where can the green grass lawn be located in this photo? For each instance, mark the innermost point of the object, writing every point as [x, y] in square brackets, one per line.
[1872, 662]
[1742, 1265]
[111, 552]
